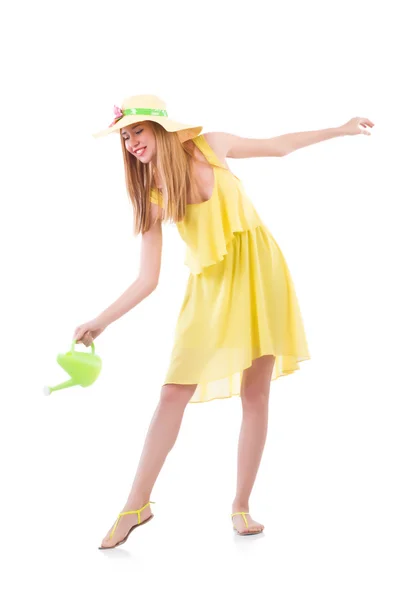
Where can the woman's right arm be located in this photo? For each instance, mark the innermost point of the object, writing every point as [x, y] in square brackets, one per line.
[149, 272]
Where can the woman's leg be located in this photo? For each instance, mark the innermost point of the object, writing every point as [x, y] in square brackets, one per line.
[255, 388]
[160, 439]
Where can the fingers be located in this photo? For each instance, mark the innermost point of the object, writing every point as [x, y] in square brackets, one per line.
[364, 125]
[77, 333]
[365, 131]
[85, 339]
[364, 121]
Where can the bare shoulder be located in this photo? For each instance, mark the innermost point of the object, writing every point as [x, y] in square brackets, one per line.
[156, 211]
[219, 142]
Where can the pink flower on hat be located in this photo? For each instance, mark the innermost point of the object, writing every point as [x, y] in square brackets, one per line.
[119, 114]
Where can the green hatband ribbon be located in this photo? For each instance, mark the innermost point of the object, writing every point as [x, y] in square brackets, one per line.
[155, 112]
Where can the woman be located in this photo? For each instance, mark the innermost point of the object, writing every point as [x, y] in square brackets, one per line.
[239, 325]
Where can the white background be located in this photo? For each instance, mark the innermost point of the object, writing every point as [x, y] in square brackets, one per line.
[326, 486]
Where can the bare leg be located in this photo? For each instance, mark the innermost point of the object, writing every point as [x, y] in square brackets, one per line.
[160, 439]
[255, 388]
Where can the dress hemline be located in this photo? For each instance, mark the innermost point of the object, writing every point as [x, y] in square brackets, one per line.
[282, 374]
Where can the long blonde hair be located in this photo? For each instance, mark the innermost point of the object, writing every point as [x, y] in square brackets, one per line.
[174, 169]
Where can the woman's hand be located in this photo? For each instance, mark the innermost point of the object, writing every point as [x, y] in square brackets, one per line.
[86, 333]
[356, 126]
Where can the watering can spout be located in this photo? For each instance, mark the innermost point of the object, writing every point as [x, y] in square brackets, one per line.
[61, 386]
[82, 368]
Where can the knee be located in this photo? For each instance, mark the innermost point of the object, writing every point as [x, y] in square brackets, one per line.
[254, 400]
[175, 394]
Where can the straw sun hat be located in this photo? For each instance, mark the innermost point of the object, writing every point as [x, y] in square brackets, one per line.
[146, 107]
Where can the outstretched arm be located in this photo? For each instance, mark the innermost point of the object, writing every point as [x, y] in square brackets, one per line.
[143, 286]
[147, 280]
[233, 146]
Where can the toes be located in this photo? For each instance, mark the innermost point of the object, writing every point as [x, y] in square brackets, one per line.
[250, 528]
[253, 530]
[106, 542]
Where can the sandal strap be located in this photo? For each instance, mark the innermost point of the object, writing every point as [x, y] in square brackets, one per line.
[129, 512]
[243, 515]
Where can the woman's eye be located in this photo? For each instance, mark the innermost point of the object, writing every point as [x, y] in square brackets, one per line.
[140, 131]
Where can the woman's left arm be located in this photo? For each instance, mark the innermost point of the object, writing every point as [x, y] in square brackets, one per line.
[233, 146]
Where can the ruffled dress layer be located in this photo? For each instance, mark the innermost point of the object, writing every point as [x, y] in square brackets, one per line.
[240, 302]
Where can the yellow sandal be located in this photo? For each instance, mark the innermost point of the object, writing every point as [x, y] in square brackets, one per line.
[128, 512]
[246, 524]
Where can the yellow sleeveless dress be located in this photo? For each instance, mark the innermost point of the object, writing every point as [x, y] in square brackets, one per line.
[240, 301]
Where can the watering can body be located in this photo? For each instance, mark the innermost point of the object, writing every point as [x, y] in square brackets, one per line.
[83, 368]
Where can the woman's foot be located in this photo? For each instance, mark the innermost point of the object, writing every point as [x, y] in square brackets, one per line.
[125, 523]
[240, 525]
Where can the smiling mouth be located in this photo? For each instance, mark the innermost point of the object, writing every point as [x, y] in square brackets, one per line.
[140, 151]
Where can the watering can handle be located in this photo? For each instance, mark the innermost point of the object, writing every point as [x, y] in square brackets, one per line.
[92, 347]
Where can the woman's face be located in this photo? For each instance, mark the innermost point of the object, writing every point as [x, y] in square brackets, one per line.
[138, 136]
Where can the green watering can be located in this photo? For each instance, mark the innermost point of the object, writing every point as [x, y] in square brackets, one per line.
[83, 368]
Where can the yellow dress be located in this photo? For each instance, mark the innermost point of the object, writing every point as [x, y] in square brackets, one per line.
[240, 301]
